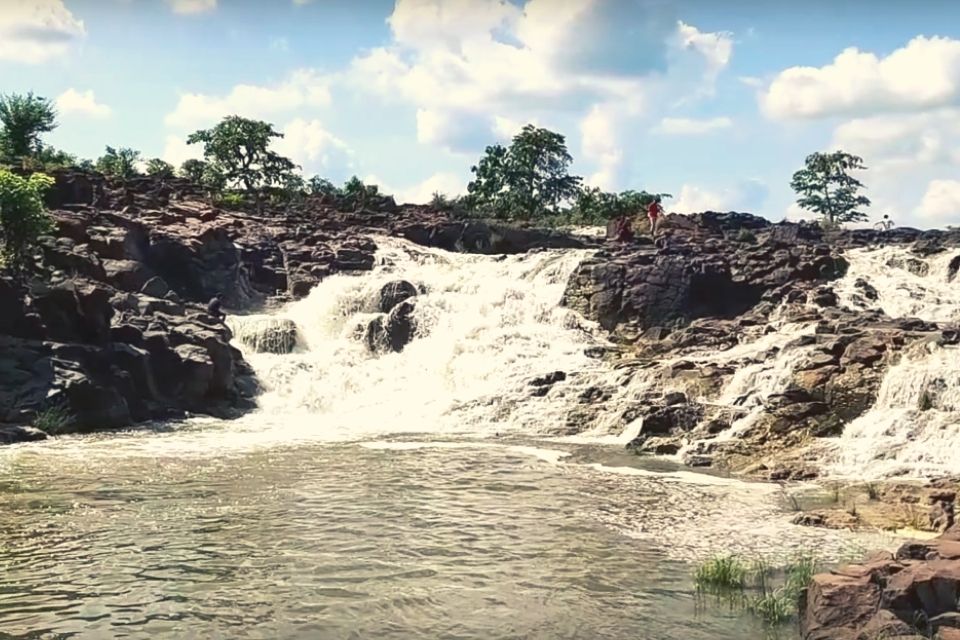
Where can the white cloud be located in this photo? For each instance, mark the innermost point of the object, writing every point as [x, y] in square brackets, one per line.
[601, 145]
[692, 126]
[315, 149]
[448, 184]
[923, 74]
[192, 7]
[176, 150]
[34, 31]
[83, 103]
[304, 88]
[747, 196]
[941, 202]
[470, 66]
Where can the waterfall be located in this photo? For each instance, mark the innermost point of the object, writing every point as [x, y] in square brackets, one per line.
[484, 327]
[913, 427]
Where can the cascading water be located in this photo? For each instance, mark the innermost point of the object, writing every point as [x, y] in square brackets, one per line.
[484, 328]
[914, 426]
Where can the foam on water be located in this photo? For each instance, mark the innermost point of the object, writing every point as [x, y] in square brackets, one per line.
[485, 327]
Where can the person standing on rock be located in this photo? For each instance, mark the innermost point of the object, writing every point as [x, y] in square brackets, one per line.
[623, 229]
[213, 308]
[654, 211]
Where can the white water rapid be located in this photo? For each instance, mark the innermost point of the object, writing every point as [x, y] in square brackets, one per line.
[913, 429]
[486, 327]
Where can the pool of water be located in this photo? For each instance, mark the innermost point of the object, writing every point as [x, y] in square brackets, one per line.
[166, 534]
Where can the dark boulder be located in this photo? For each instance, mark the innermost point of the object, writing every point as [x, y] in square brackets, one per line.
[393, 293]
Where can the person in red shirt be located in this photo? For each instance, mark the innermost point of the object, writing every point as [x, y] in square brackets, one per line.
[654, 211]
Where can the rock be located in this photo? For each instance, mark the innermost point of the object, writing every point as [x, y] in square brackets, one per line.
[12, 434]
[400, 326]
[197, 371]
[155, 287]
[393, 293]
[268, 334]
[548, 379]
[126, 275]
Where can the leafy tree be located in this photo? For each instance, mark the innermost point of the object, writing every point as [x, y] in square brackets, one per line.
[528, 179]
[158, 168]
[24, 119]
[193, 169]
[213, 179]
[321, 187]
[595, 205]
[49, 158]
[358, 195]
[240, 148]
[23, 216]
[826, 187]
[119, 163]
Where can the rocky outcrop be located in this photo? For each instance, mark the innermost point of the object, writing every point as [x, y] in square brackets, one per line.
[702, 266]
[913, 593]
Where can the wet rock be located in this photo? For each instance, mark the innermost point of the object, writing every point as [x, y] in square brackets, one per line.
[12, 434]
[400, 326]
[393, 293]
[548, 379]
[155, 287]
[268, 335]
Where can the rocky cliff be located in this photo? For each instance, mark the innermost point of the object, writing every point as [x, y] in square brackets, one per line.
[111, 326]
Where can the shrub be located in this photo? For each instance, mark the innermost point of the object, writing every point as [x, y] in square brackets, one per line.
[23, 216]
[231, 199]
[158, 168]
[119, 163]
[53, 419]
[746, 236]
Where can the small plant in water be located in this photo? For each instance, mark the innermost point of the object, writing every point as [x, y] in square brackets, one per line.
[721, 572]
[54, 419]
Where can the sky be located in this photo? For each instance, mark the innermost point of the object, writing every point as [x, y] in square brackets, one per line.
[717, 103]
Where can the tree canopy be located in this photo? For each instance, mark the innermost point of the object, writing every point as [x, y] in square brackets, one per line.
[158, 168]
[825, 187]
[23, 216]
[119, 163]
[240, 149]
[25, 118]
[529, 178]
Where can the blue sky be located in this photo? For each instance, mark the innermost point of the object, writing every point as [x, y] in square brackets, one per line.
[715, 102]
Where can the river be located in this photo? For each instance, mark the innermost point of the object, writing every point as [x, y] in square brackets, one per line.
[422, 494]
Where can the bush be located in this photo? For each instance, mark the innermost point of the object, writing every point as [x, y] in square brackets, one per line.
[119, 163]
[23, 216]
[231, 199]
[157, 168]
[746, 236]
[193, 170]
[53, 419]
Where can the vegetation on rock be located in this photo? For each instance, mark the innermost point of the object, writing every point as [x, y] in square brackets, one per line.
[23, 216]
[826, 187]
[25, 118]
[119, 162]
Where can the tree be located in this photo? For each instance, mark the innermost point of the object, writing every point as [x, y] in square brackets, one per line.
[119, 163]
[24, 119]
[158, 168]
[321, 187]
[193, 169]
[23, 216]
[240, 148]
[528, 179]
[826, 187]
[595, 205]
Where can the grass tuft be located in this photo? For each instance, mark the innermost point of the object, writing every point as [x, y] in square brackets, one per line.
[720, 573]
[53, 419]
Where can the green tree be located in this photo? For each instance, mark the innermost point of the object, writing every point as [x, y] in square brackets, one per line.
[24, 119]
[825, 187]
[193, 169]
[358, 195]
[529, 178]
[49, 158]
[595, 205]
[240, 148]
[23, 216]
[321, 187]
[119, 163]
[158, 168]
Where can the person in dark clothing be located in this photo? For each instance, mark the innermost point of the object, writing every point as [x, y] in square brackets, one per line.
[624, 232]
[213, 308]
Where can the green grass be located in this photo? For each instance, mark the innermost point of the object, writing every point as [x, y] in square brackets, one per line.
[721, 572]
[776, 592]
[53, 419]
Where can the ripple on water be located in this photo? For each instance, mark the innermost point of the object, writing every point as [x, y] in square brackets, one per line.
[443, 540]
